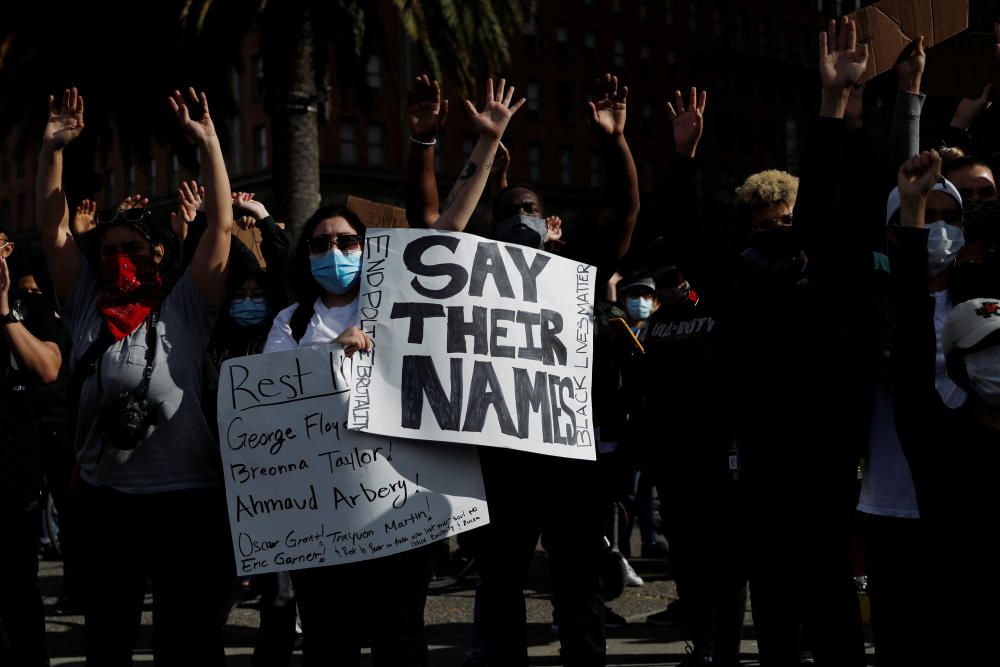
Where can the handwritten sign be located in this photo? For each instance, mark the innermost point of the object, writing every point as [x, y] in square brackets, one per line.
[475, 342]
[304, 491]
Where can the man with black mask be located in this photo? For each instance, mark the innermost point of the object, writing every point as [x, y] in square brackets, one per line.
[529, 494]
[29, 356]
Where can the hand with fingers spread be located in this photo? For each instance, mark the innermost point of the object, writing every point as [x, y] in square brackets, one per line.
[84, 217]
[65, 122]
[608, 106]
[553, 228]
[910, 66]
[134, 201]
[969, 109]
[917, 177]
[854, 112]
[190, 199]
[842, 61]
[243, 202]
[426, 112]
[501, 163]
[198, 131]
[497, 111]
[689, 123]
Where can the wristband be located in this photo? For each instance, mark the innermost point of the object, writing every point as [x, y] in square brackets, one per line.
[424, 143]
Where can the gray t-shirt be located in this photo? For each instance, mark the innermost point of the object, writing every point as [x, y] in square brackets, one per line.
[179, 451]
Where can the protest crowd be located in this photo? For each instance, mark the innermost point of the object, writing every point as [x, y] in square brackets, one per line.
[819, 371]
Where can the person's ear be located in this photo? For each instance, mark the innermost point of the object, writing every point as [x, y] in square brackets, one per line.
[158, 252]
[7, 250]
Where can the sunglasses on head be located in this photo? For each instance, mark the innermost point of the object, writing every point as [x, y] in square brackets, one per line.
[345, 242]
[129, 215]
[768, 224]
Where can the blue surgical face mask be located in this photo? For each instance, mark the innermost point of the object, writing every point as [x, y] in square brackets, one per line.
[638, 308]
[336, 272]
[526, 230]
[943, 243]
[247, 312]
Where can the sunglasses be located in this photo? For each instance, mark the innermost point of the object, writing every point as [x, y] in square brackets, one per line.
[129, 215]
[768, 224]
[345, 242]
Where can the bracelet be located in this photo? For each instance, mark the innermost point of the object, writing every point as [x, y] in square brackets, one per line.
[424, 143]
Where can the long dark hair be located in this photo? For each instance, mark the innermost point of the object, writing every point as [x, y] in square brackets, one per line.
[305, 287]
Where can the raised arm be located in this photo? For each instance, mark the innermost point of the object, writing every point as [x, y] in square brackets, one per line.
[211, 260]
[51, 210]
[490, 123]
[426, 116]
[274, 244]
[607, 114]
[41, 357]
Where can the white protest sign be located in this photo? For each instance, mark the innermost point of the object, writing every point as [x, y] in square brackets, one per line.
[475, 342]
[304, 491]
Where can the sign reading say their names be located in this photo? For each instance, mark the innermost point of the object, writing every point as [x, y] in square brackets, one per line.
[304, 491]
[475, 342]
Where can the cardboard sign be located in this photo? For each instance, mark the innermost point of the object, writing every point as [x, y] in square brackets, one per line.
[251, 239]
[304, 491]
[961, 67]
[475, 342]
[374, 214]
[888, 26]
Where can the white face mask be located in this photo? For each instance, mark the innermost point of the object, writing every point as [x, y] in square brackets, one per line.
[943, 245]
[984, 374]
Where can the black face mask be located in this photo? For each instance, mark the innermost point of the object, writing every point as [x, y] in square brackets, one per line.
[775, 244]
[982, 220]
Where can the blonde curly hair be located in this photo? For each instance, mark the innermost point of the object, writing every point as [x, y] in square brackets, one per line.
[766, 188]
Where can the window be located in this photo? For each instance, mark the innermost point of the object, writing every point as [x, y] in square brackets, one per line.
[4, 169]
[594, 166]
[645, 56]
[531, 37]
[236, 145]
[717, 26]
[566, 166]
[590, 47]
[671, 68]
[260, 146]
[175, 172]
[668, 12]
[564, 103]
[19, 168]
[130, 180]
[257, 64]
[619, 52]
[739, 28]
[376, 145]
[693, 15]
[535, 162]
[562, 42]
[534, 95]
[373, 72]
[111, 186]
[643, 9]
[616, 6]
[151, 186]
[348, 141]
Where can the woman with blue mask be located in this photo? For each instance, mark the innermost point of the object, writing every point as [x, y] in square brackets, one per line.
[639, 298]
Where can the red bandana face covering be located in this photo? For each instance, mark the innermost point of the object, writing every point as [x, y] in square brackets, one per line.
[132, 288]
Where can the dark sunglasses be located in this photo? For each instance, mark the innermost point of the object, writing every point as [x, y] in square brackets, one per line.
[346, 242]
[129, 215]
[768, 224]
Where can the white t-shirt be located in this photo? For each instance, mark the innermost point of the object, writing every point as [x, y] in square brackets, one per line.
[324, 327]
[887, 488]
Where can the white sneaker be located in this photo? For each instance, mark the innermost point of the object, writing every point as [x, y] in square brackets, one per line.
[631, 578]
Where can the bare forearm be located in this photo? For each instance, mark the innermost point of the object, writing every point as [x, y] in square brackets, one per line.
[421, 187]
[51, 210]
[833, 103]
[40, 357]
[218, 196]
[211, 259]
[623, 190]
[465, 194]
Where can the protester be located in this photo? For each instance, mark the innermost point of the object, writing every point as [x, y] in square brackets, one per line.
[30, 357]
[150, 474]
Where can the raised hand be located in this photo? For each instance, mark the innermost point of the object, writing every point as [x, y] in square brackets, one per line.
[918, 175]
[497, 111]
[84, 217]
[608, 106]
[689, 123]
[969, 109]
[426, 112]
[842, 61]
[190, 199]
[65, 122]
[135, 201]
[910, 66]
[244, 202]
[198, 131]
[553, 228]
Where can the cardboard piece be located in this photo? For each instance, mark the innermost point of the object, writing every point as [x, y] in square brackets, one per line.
[374, 214]
[888, 26]
[251, 238]
[962, 66]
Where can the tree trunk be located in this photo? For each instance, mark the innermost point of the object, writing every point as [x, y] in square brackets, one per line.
[290, 82]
